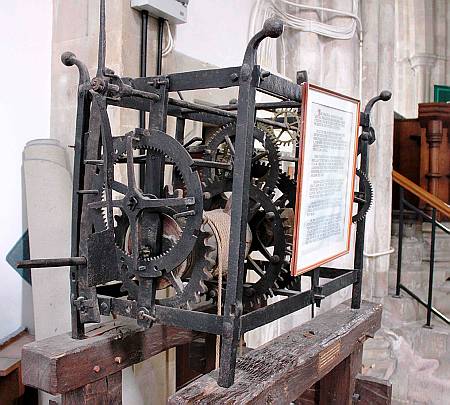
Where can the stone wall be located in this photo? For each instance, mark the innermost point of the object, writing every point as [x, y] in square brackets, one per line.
[422, 51]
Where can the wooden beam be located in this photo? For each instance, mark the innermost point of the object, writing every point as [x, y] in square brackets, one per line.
[60, 364]
[108, 390]
[281, 370]
[338, 386]
[372, 391]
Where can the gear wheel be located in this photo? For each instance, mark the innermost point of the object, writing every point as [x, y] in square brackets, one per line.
[363, 198]
[288, 191]
[186, 208]
[268, 249]
[187, 256]
[188, 287]
[265, 163]
[289, 117]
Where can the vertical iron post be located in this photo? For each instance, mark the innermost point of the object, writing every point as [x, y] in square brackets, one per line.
[400, 242]
[315, 275]
[143, 73]
[249, 78]
[179, 136]
[431, 275]
[360, 229]
[81, 129]
[160, 46]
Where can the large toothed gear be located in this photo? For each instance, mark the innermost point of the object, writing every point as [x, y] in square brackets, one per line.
[268, 249]
[184, 260]
[186, 208]
[284, 136]
[265, 161]
[363, 198]
[189, 286]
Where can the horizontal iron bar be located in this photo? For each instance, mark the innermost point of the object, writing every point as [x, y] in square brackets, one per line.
[203, 117]
[205, 79]
[199, 321]
[439, 314]
[276, 310]
[426, 216]
[279, 87]
[212, 164]
[338, 283]
[201, 107]
[265, 106]
[188, 319]
[197, 162]
[331, 272]
[285, 292]
[223, 113]
[58, 262]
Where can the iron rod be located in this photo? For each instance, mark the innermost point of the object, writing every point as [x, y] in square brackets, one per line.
[217, 111]
[426, 216]
[431, 275]
[400, 242]
[160, 46]
[439, 314]
[265, 106]
[143, 73]
[57, 262]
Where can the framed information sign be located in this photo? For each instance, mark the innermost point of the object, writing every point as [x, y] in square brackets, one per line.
[326, 175]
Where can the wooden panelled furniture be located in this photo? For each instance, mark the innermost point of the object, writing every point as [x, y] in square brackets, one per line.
[422, 151]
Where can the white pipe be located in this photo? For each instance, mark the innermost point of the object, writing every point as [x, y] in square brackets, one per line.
[378, 254]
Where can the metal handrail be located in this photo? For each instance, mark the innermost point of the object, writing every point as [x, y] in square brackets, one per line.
[436, 205]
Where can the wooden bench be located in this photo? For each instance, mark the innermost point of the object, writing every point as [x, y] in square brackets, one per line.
[12, 389]
[328, 349]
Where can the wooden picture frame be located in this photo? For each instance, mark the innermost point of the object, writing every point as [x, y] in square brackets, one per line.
[326, 177]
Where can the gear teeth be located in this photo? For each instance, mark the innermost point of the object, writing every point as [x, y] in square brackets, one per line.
[270, 146]
[201, 272]
[291, 140]
[368, 190]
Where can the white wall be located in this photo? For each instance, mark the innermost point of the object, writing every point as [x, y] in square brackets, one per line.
[216, 31]
[25, 49]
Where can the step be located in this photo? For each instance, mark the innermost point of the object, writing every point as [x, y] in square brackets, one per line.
[411, 228]
[404, 310]
[412, 251]
[441, 298]
[416, 361]
[427, 343]
[416, 275]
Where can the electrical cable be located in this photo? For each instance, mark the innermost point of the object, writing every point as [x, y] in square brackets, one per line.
[170, 42]
[264, 9]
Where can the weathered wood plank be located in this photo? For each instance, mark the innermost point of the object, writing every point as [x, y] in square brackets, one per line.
[60, 364]
[310, 396]
[338, 386]
[373, 391]
[107, 391]
[281, 370]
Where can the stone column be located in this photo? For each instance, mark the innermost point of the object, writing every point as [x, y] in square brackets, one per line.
[422, 66]
[378, 59]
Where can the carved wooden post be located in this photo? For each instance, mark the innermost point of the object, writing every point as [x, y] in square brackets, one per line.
[434, 140]
[435, 167]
